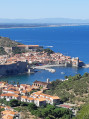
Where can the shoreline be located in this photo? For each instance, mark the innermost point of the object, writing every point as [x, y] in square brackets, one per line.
[48, 66]
[58, 65]
[86, 66]
[44, 26]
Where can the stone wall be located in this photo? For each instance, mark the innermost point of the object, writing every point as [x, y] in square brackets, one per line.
[13, 69]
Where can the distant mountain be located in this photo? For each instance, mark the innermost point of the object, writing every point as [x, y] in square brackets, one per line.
[45, 20]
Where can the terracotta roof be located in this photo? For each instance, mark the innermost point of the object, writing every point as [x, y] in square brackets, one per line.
[55, 97]
[40, 99]
[23, 91]
[27, 45]
[8, 94]
[65, 106]
[29, 98]
[9, 112]
[25, 97]
[2, 107]
[7, 117]
[15, 95]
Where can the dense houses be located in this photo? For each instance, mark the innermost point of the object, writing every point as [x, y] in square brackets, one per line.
[8, 113]
[23, 93]
[41, 57]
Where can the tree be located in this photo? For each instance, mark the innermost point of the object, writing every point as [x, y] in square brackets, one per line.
[66, 77]
[48, 50]
[32, 106]
[23, 104]
[14, 103]
[85, 74]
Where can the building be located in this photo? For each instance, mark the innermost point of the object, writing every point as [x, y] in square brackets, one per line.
[41, 84]
[39, 102]
[30, 100]
[30, 47]
[9, 96]
[24, 98]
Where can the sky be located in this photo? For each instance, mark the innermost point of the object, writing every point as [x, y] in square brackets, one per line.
[36, 9]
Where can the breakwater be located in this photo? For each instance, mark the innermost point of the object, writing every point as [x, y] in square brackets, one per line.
[48, 67]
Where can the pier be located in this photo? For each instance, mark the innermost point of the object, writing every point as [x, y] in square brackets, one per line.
[86, 66]
[45, 67]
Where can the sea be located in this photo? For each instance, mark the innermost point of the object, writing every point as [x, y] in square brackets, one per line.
[69, 40]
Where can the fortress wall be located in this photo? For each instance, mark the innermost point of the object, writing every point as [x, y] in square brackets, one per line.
[12, 69]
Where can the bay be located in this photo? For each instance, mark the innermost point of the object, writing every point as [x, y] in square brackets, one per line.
[69, 40]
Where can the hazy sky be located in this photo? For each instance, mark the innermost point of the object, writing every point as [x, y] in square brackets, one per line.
[33, 9]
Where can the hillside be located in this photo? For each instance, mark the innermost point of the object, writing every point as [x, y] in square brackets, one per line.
[83, 112]
[74, 90]
[6, 42]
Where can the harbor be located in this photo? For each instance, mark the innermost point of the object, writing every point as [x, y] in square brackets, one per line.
[48, 67]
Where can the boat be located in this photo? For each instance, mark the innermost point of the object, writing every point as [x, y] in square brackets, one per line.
[62, 72]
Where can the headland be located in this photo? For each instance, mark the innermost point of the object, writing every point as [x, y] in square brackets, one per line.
[17, 58]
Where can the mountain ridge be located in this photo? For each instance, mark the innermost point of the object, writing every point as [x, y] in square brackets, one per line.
[44, 20]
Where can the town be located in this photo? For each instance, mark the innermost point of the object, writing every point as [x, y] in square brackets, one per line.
[25, 93]
[35, 55]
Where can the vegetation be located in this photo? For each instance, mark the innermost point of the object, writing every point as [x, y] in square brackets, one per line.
[47, 112]
[6, 42]
[49, 51]
[14, 103]
[83, 113]
[1, 109]
[17, 50]
[50, 112]
[35, 90]
[2, 51]
[74, 90]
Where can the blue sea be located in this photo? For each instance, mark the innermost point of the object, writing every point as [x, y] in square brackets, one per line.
[69, 40]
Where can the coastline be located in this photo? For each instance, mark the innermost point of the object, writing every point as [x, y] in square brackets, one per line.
[86, 66]
[48, 66]
[56, 65]
[62, 25]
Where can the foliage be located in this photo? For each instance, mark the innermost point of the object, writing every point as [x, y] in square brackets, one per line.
[49, 112]
[2, 109]
[83, 112]
[2, 51]
[71, 90]
[32, 106]
[17, 50]
[48, 50]
[6, 42]
[14, 103]
[23, 104]
[3, 101]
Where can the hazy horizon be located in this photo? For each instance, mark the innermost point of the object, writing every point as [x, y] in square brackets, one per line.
[36, 9]
[44, 20]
